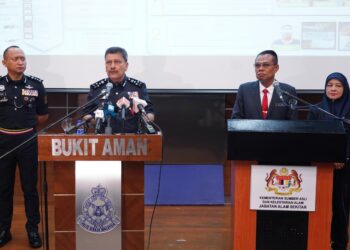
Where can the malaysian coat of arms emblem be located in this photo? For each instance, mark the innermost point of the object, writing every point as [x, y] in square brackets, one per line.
[284, 183]
[98, 213]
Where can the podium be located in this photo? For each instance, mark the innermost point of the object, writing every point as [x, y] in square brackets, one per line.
[252, 142]
[62, 151]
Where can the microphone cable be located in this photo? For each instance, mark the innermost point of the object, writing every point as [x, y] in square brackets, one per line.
[157, 195]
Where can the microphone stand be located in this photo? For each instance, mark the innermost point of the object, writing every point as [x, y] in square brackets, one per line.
[144, 124]
[123, 119]
[108, 128]
[45, 186]
[109, 116]
[316, 106]
[52, 125]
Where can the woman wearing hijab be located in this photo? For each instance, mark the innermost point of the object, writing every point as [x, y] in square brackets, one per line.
[336, 101]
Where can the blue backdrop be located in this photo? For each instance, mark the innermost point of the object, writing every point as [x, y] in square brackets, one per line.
[185, 184]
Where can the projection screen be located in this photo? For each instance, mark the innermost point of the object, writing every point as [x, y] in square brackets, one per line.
[179, 44]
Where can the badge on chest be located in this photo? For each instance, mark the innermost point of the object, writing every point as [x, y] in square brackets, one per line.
[29, 92]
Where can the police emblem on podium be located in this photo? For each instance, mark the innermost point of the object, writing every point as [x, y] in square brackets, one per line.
[98, 212]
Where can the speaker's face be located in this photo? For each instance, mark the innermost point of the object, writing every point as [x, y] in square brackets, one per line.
[265, 69]
[116, 67]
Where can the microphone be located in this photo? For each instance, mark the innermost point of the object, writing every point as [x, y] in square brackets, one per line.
[99, 113]
[279, 91]
[123, 103]
[138, 105]
[146, 124]
[107, 90]
[100, 118]
[109, 112]
[293, 103]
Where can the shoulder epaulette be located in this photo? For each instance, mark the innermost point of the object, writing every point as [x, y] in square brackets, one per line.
[35, 78]
[136, 82]
[99, 83]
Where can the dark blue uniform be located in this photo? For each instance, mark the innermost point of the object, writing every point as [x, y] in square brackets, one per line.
[20, 102]
[128, 88]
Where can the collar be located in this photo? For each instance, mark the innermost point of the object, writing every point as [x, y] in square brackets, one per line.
[122, 83]
[10, 81]
[262, 87]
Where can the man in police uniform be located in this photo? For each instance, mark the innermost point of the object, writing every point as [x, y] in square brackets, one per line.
[22, 106]
[124, 90]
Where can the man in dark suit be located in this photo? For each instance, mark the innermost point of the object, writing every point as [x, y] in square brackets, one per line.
[259, 99]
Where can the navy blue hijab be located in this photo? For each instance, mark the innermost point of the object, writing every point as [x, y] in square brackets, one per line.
[341, 106]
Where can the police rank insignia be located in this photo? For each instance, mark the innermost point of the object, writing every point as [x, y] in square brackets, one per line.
[98, 213]
[28, 86]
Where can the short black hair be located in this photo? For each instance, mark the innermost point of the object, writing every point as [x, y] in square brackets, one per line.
[117, 50]
[8, 48]
[269, 52]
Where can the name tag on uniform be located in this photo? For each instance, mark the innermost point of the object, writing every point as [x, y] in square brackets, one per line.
[29, 92]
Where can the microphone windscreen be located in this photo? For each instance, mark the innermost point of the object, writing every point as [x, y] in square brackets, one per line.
[138, 101]
[110, 108]
[123, 100]
[109, 86]
[99, 114]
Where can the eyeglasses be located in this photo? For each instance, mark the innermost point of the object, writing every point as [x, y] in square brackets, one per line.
[264, 65]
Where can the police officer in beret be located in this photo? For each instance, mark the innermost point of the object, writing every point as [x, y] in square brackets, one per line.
[23, 105]
[123, 95]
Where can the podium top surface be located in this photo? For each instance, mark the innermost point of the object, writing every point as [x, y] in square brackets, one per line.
[286, 141]
[286, 126]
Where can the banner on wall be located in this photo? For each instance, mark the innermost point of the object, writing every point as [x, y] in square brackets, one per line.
[284, 188]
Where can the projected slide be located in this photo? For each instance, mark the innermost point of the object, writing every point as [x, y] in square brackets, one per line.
[166, 32]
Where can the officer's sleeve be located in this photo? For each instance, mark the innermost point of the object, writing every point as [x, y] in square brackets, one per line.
[41, 105]
[238, 107]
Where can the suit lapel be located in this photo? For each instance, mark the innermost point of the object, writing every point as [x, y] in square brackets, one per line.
[257, 100]
[273, 102]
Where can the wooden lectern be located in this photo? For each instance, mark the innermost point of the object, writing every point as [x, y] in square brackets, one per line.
[132, 179]
[319, 143]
